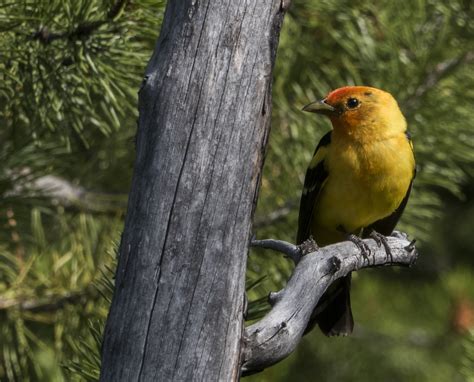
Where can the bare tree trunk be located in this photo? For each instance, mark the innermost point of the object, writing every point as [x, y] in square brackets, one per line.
[204, 120]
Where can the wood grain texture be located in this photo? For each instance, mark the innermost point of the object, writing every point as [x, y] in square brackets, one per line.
[275, 336]
[204, 120]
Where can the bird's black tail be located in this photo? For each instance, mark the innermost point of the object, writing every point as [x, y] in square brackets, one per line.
[333, 313]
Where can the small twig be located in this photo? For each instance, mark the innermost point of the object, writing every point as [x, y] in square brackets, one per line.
[290, 250]
[276, 215]
[434, 77]
[83, 30]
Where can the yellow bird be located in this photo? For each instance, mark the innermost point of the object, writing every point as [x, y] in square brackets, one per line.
[357, 184]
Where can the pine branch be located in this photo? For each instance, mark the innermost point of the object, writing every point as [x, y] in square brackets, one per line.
[275, 336]
[432, 79]
[83, 30]
[50, 303]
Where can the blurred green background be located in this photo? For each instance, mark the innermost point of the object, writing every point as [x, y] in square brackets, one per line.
[69, 76]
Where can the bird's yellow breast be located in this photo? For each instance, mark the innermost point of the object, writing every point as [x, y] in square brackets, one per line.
[366, 182]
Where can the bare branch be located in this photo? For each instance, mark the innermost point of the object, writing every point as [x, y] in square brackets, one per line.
[290, 250]
[65, 193]
[276, 215]
[434, 77]
[275, 336]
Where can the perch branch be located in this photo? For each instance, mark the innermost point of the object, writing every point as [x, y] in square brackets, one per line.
[276, 335]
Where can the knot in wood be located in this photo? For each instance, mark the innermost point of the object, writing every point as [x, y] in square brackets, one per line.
[333, 265]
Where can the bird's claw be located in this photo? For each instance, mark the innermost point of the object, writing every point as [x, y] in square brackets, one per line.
[382, 240]
[361, 244]
[308, 246]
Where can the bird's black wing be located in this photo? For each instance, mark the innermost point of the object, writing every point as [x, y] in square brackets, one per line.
[313, 182]
[333, 312]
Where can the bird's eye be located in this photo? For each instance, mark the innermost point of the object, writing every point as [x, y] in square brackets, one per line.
[352, 103]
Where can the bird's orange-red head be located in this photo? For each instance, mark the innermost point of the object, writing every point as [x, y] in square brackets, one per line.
[359, 110]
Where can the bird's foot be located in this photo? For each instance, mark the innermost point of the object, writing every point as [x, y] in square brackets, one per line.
[381, 240]
[308, 246]
[363, 247]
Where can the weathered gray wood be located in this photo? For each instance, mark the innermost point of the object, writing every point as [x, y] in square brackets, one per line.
[204, 119]
[276, 335]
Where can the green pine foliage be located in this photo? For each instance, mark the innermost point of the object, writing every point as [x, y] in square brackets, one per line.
[68, 66]
[69, 76]
[468, 360]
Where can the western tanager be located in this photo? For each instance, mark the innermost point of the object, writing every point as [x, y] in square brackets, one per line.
[357, 184]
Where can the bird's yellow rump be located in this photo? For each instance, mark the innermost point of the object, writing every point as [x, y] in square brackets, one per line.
[358, 182]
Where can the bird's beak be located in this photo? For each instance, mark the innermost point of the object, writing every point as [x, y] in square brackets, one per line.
[320, 107]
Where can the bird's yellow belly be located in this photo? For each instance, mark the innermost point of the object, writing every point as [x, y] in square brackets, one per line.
[363, 192]
[350, 205]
